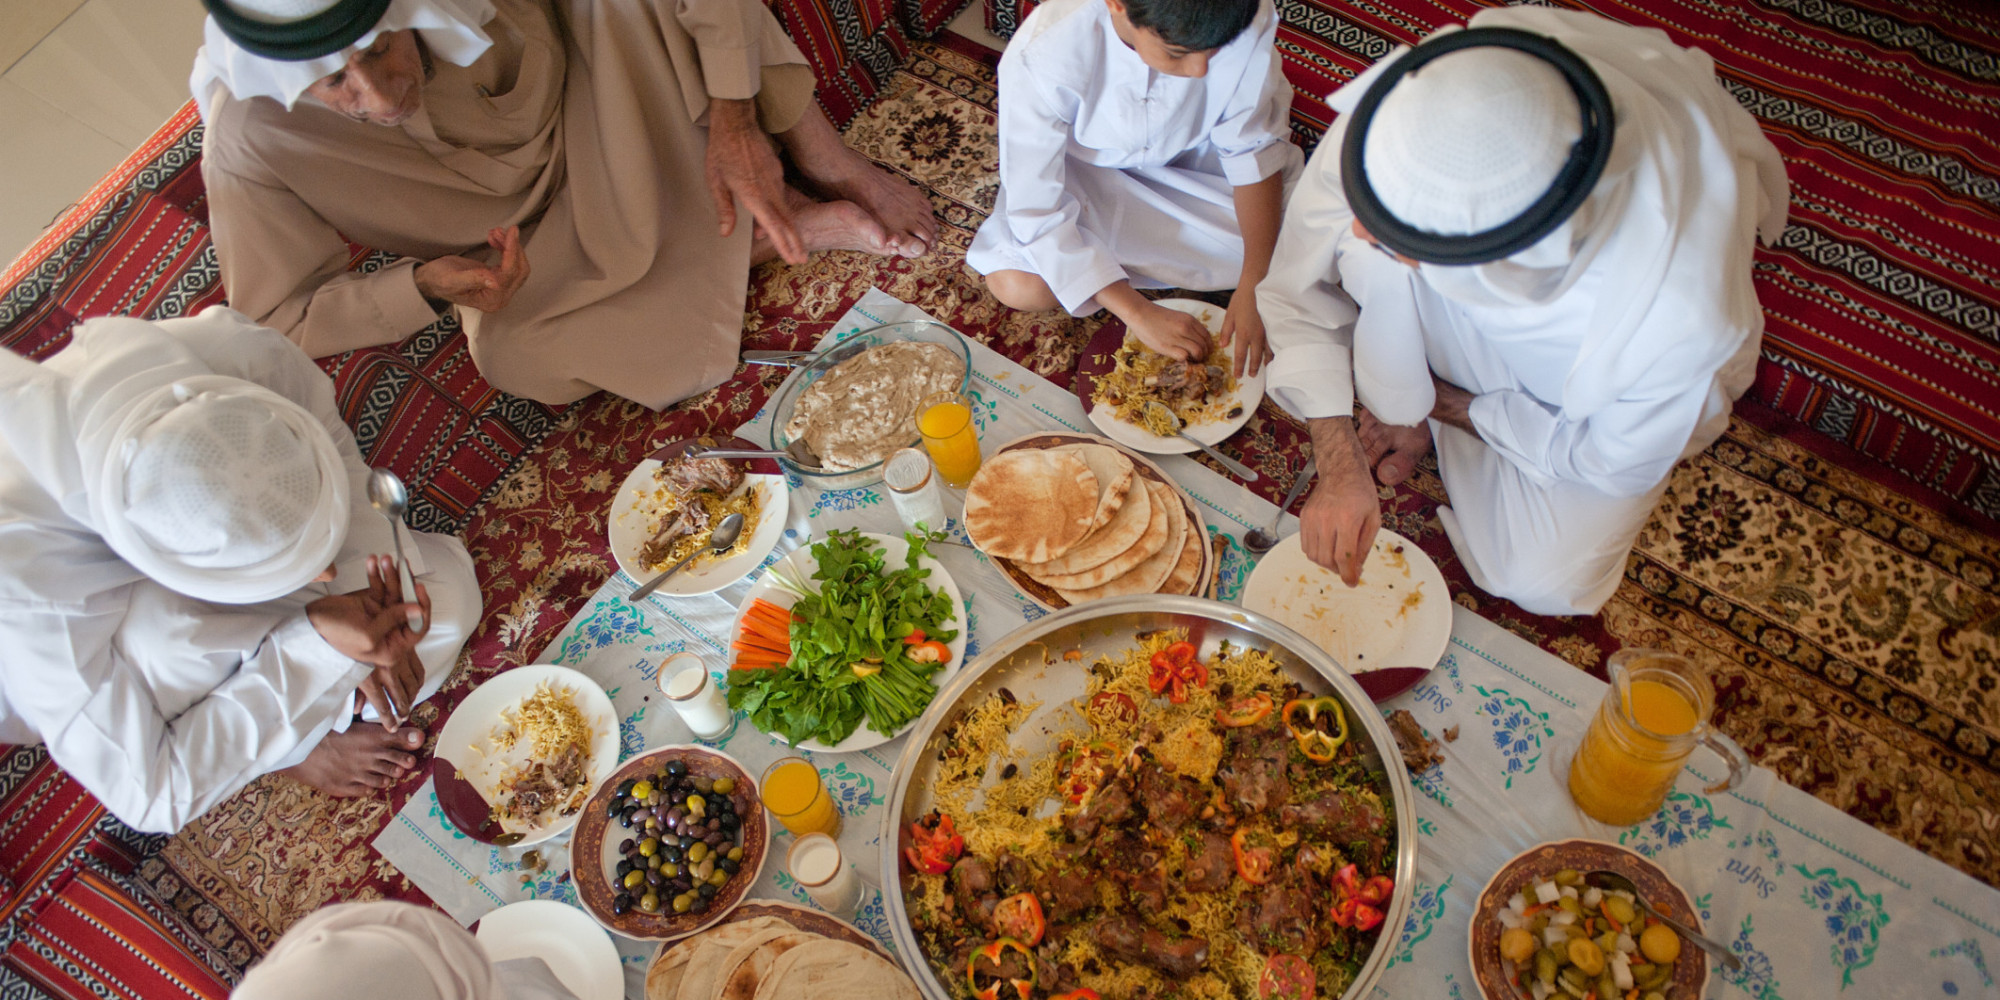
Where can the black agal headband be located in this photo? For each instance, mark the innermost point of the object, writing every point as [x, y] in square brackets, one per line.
[322, 34]
[1572, 185]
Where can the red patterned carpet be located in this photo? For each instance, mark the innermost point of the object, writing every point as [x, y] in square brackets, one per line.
[1852, 616]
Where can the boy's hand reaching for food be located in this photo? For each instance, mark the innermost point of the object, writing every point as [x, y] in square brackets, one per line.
[1177, 335]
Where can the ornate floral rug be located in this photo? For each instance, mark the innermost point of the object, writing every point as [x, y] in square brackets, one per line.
[1853, 628]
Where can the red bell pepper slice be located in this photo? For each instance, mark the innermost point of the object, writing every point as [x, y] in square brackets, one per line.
[1245, 711]
[991, 952]
[1254, 862]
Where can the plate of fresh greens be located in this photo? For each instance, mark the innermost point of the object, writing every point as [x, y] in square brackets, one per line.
[842, 644]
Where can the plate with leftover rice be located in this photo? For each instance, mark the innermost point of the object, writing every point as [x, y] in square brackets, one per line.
[1117, 377]
[671, 502]
[520, 756]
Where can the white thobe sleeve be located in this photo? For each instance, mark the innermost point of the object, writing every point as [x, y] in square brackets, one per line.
[74, 680]
[1250, 137]
[1622, 450]
[1308, 318]
[1043, 216]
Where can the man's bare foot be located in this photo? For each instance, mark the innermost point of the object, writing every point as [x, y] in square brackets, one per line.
[831, 225]
[896, 204]
[364, 759]
[1393, 451]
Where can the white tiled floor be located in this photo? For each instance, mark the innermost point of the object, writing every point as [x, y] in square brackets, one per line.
[82, 83]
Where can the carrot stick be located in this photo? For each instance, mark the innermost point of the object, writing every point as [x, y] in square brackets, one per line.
[766, 609]
[753, 649]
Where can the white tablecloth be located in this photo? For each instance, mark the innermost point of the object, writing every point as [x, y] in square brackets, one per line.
[1816, 903]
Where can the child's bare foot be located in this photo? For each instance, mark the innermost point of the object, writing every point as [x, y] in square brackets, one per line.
[364, 759]
[1392, 450]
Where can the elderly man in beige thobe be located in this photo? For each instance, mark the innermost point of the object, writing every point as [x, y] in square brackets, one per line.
[607, 142]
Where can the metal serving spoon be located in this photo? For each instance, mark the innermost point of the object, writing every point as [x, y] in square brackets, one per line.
[387, 494]
[1609, 880]
[1262, 540]
[719, 541]
[798, 453]
[1164, 414]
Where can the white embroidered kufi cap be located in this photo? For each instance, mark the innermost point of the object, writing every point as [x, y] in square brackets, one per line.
[224, 491]
[1470, 141]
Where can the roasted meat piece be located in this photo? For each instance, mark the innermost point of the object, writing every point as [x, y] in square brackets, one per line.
[1208, 869]
[1064, 894]
[1124, 937]
[972, 885]
[1171, 801]
[1109, 806]
[1340, 817]
[1419, 752]
[1253, 769]
[687, 475]
[1283, 915]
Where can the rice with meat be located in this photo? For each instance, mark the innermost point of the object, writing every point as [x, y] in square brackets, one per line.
[1197, 392]
[1030, 822]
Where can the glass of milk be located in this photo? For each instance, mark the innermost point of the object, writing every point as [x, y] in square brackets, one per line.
[816, 862]
[684, 680]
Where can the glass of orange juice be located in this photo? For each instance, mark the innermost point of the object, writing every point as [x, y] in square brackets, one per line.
[1653, 717]
[791, 789]
[945, 421]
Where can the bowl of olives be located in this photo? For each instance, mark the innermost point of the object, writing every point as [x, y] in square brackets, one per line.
[678, 838]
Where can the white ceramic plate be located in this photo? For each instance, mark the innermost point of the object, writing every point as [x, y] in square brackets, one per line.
[1249, 393]
[472, 723]
[801, 564]
[1375, 625]
[629, 527]
[577, 950]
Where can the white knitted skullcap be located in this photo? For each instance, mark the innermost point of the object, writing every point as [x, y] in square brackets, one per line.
[225, 491]
[280, 11]
[1471, 140]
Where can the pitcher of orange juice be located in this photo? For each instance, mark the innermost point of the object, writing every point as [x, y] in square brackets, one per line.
[1653, 717]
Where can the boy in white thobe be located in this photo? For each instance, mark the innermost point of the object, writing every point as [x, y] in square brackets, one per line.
[1563, 336]
[189, 591]
[1142, 145]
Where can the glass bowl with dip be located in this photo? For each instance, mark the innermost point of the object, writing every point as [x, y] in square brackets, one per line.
[884, 372]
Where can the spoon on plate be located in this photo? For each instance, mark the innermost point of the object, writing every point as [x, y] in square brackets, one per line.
[1612, 881]
[387, 494]
[1167, 417]
[719, 541]
[1262, 540]
[797, 452]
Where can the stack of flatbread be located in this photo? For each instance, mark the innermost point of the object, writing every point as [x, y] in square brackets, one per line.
[1085, 522]
[767, 958]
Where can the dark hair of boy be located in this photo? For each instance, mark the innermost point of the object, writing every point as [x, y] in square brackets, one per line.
[1194, 25]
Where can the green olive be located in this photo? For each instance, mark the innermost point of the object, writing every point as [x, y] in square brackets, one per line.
[725, 785]
[736, 853]
[634, 878]
[718, 878]
[682, 902]
[642, 789]
[697, 806]
[650, 846]
[668, 869]
[697, 851]
[650, 902]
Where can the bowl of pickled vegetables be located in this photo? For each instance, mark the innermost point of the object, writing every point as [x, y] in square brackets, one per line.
[1541, 933]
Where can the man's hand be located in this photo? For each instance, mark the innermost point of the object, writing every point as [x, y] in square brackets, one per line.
[466, 282]
[742, 164]
[1243, 328]
[1170, 332]
[372, 626]
[1338, 523]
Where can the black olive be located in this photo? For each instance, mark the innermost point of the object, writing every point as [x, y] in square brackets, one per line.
[1234, 412]
[700, 905]
[624, 865]
[621, 903]
[689, 840]
[676, 768]
[731, 821]
[654, 878]
[706, 889]
[729, 866]
[612, 806]
[625, 787]
[670, 851]
[627, 846]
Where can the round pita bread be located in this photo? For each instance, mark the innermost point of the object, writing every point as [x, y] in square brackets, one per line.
[835, 970]
[1146, 577]
[1158, 529]
[1031, 505]
[1115, 476]
[712, 958]
[1187, 572]
[663, 980]
[747, 966]
[1132, 520]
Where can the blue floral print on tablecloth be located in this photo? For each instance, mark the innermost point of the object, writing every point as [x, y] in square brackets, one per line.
[1518, 730]
[1970, 949]
[852, 791]
[1425, 909]
[833, 501]
[1853, 919]
[1683, 817]
[1756, 978]
[610, 622]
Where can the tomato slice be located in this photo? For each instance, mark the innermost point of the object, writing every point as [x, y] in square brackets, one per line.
[1286, 977]
[935, 846]
[1255, 862]
[1020, 916]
